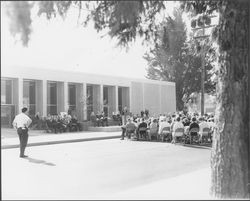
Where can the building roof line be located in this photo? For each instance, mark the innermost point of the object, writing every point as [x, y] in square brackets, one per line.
[130, 79]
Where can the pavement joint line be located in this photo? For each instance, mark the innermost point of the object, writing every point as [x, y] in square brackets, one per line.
[59, 142]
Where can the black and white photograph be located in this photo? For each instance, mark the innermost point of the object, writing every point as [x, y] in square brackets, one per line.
[125, 100]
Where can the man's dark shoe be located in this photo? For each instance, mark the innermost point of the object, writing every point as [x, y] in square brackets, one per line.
[23, 156]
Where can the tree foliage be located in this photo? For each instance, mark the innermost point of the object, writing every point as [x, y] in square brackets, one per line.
[125, 20]
[176, 59]
[20, 21]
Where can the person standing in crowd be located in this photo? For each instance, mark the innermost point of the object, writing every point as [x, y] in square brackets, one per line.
[153, 129]
[21, 123]
[124, 115]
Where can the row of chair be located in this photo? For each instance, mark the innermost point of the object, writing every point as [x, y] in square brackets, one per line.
[189, 135]
[185, 136]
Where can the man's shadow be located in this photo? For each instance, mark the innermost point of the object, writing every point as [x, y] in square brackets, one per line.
[37, 161]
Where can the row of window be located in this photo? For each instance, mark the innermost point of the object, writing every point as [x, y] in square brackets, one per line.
[30, 96]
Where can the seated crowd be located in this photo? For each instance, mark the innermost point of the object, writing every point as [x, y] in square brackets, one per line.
[99, 119]
[62, 122]
[187, 127]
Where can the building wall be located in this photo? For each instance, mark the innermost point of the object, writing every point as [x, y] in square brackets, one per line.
[96, 99]
[137, 94]
[60, 97]
[79, 101]
[16, 95]
[168, 98]
[111, 100]
[157, 98]
[152, 99]
[125, 97]
[39, 96]
[136, 97]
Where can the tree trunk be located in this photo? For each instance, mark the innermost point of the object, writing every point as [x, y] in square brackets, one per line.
[230, 153]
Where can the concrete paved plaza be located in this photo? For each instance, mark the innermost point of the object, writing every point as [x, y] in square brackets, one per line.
[106, 169]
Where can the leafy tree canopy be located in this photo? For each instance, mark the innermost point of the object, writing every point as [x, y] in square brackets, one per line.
[125, 19]
[178, 60]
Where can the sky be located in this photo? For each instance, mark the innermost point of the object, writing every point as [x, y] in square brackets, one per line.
[64, 45]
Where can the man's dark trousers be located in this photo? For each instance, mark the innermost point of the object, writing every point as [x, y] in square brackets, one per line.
[23, 138]
[123, 132]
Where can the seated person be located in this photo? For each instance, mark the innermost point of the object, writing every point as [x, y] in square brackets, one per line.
[49, 125]
[104, 119]
[153, 129]
[163, 124]
[177, 124]
[118, 118]
[56, 124]
[130, 128]
[142, 129]
[193, 125]
[99, 118]
[211, 124]
[186, 122]
[74, 124]
[149, 122]
[203, 124]
[63, 122]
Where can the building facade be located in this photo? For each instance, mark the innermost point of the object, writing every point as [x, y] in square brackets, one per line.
[50, 91]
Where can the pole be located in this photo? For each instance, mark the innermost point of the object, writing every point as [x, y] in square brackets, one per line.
[202, 70]
[203, 54]
[202, 80]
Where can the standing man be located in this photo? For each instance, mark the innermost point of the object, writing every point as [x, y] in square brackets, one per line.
[124, 115]
[21, 123]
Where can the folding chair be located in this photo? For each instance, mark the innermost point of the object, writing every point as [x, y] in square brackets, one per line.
[204, 134]
[193, 132]
[179, 133]
[130, 133]
[142, 133]
[166, 133]
[153, 132]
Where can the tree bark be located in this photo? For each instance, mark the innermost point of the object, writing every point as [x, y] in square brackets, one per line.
[230, 153]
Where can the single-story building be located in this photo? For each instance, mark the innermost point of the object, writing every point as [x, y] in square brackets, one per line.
[50, 91]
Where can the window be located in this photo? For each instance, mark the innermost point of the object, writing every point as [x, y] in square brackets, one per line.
[52, 98]
[6, 91]
[72, 97]
[29, 95]
[120, 99]
[89, 101]
[7, 106]
[105, 95]
[105, 100]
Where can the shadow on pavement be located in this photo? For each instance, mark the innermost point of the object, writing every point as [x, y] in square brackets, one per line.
[33, 160]
[204, 146]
